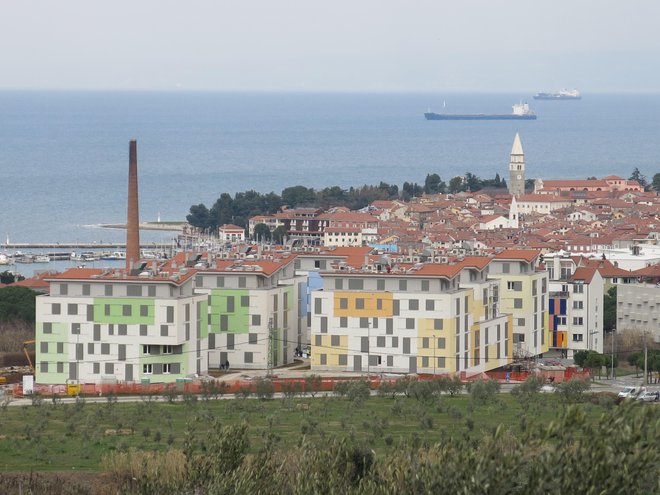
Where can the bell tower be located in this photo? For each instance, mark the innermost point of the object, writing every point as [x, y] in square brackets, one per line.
[517, 168]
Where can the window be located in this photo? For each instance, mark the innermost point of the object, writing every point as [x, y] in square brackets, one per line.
[379, 304]
[108, 290]
[578, 288]
[506, 268]
[64, 289]
[144, 310]
[143, 330]
[248, 357]
[126, 310]
[122, 329]
[561, 320]
[578, 304]
[380, 341]
[43, 366]
[56, 309]
[220, 281]
[323, 359]
[359, 303]
[43, 347]
[425, 285]
[437, 324]
[170, 314]
[146, 349]
[75, 328]
[403, 285]
[256, 320]
[111, 329]
[343, 322]
[147, 369]
[518, 303]
[90, 348]
[518, 337]
[410, 323]
[48, 328]
[355, 284]
[441, 362]
[164, 329]
[134, 290]
[168, 349]
[86, 291]
[167, 368]
[106, 310]
[242, 282]
[442, 343]
[520, 322]
[343, 303]
[380, 284]
[430, 305]
[413, 304]
[425, 362]
[339, 283]
[96, 367]
[389, 326]
[105, 348]
[577, 337]
[151, 290]
[334, 340]
[245, 301]
[577, 320]
[343, 360]
[425, 342]
[510, 285]
[364, 322]
[72, 309]
[318, 306]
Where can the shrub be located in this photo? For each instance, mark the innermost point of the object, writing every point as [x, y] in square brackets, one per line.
[573, 390]
[264, 388]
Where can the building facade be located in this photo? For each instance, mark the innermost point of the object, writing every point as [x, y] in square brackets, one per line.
[96, 326]
[423, 319]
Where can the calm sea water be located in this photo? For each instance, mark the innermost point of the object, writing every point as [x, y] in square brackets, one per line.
[64, 156]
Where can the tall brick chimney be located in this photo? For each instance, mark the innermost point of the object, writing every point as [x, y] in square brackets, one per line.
[133, 221]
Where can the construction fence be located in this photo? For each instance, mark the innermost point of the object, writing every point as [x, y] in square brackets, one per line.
[319, 384]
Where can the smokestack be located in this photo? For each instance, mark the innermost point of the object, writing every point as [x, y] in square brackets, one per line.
[133, 220]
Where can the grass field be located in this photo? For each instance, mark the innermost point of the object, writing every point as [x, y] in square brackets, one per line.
[49, 436]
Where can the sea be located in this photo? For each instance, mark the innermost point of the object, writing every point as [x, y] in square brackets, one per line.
[64, 155]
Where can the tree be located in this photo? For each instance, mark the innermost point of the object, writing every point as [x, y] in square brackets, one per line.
[609, 309]
[199, 216]
[8, 277]
[279, 234]
[433, 184]
[17, 303]
[298, 196]
[472, 182]
[637, 176]
[261, 232]
[655, 185]
[456, 185]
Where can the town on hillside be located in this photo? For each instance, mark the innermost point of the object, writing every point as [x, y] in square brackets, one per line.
[470, 284]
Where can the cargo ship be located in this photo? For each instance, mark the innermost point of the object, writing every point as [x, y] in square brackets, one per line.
[564, 94]
[521, 111]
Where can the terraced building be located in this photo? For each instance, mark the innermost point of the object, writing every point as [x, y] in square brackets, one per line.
[102, 325]
[422, 318]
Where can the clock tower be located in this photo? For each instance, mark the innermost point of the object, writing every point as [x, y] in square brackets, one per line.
[517, 169]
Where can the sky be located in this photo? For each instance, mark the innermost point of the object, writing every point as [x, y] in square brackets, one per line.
[339, 45]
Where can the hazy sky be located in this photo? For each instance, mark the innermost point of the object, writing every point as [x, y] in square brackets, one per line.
[338, 45]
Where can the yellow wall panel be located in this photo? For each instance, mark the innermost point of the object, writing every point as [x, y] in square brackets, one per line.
[370, 304]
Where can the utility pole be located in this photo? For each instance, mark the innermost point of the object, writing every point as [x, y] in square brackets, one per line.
[368, 350]
[435, 341]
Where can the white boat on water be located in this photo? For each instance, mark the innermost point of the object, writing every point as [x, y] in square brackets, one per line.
[115, 255]
[4, 259]
[41, 258]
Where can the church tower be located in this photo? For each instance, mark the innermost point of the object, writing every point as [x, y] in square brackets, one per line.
[517, 168]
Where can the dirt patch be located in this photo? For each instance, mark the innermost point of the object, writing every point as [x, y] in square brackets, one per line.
[58, 483]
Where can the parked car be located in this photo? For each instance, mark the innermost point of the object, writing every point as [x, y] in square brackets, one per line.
[628, 393]
[649, 396]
